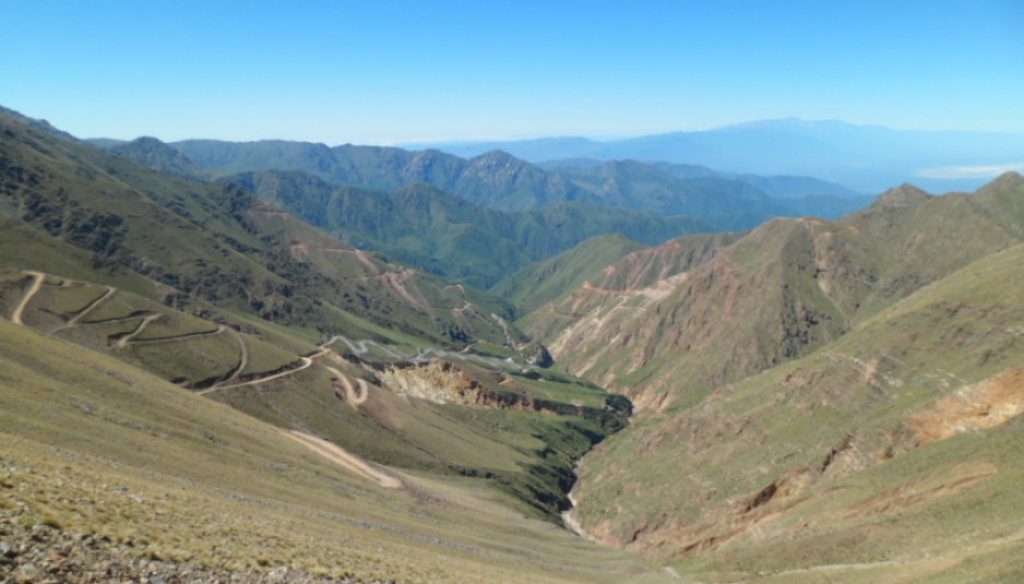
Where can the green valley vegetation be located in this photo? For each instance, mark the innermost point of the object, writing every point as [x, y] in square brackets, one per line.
[421, 226]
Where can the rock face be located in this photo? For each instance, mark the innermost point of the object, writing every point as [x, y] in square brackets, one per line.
[438, 381]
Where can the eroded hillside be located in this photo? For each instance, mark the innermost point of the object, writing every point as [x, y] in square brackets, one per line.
[716, 311]
[874, 449]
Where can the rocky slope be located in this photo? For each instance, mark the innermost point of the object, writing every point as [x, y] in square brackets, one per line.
[777, 293]
[864, 452]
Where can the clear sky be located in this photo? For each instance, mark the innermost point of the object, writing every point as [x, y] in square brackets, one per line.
[388, 71]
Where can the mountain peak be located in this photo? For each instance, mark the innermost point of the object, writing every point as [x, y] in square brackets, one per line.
[151, 152]
[902, 196]
[497, 158]
[1008, 181]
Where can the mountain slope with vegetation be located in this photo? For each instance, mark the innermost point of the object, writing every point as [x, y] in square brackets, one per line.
[141, 476]
[421, 226]
[542, 282]
[497, 180]
[200, 379]
[197, 240]
[493, 180]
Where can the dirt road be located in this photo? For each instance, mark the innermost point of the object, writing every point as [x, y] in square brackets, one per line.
[307, 362]
[122, 342]
[89, 308]
[353, 398]
[243, 361]
[179, 338]
[37, 283]
[343, 458]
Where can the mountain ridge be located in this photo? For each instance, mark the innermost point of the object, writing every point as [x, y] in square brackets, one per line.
[866, 158]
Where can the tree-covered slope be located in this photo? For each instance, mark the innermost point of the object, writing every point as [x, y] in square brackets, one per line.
[421, 226]
[497, 180]
[727, 203]
[544, 281]
[494, 180]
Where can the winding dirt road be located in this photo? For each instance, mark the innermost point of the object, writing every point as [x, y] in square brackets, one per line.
[363, 347]
[353, 398]
[343, 458]
[185, 337]
[307, 362]
[243, 362]
[89, 308]
[37, 283]
[122, 342]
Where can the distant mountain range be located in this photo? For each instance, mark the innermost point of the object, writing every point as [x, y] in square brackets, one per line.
[478, 220]
[421, 226]
[865, 158]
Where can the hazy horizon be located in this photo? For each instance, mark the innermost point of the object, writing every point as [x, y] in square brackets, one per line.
[427, 142]
[407, 72]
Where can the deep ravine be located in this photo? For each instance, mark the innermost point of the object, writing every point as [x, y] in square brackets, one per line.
[569, 520]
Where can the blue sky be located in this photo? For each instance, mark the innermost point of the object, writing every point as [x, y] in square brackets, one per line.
[389, 71]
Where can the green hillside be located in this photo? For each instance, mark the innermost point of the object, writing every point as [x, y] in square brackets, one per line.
[493, 180]
[423, 227]
[547, 280]
[153, 153]
[201, 241]
[156, 480]
[268, 377]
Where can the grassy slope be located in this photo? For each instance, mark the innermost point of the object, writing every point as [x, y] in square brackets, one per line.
[93, 445]
[545, 281]
[518, 451]
[838, 438]
[271, 277]
[530, 457]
